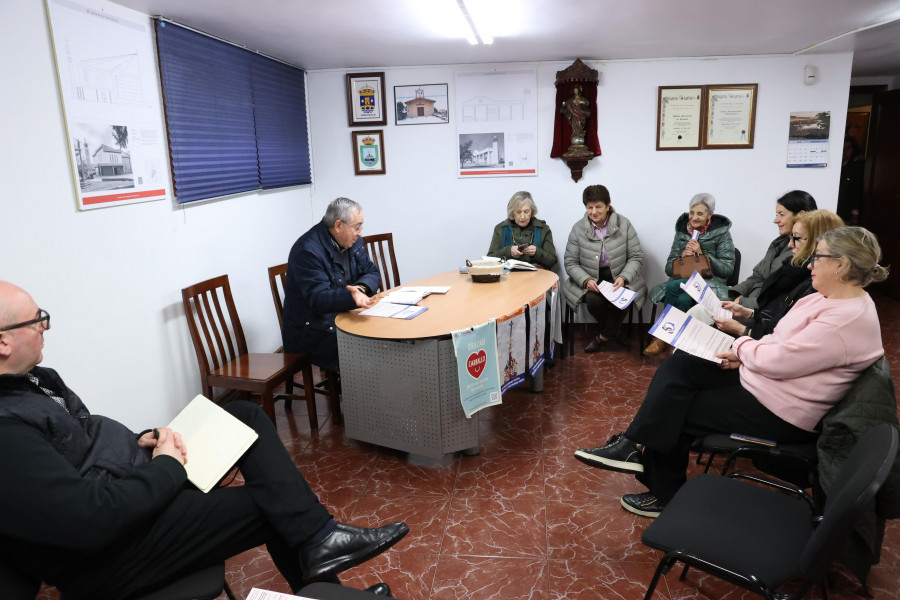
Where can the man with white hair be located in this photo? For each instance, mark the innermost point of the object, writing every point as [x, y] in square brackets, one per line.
[329, 271]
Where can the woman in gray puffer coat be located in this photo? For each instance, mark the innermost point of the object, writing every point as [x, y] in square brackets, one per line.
[714, 240]
[603, 246]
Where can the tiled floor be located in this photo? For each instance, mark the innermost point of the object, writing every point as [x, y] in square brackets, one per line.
[523, 520]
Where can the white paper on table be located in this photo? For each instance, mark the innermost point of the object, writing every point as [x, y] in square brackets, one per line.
[621, 298]
[394, 311]
[431, 289]
[697, 288]
[690, 335]
[403, 296]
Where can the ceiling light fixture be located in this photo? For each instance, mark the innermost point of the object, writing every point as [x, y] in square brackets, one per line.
[474, 36]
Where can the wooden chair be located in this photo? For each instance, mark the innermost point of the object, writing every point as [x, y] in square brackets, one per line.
[381, 250]
[328, 386]
[222, 350]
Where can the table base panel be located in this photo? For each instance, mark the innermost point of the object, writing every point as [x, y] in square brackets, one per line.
[404, 395]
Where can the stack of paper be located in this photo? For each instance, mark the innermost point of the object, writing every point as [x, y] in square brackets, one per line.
[520, 265]
[621, 298]
[690, 335]
[394, 311]
[697, 288]
[405, 296]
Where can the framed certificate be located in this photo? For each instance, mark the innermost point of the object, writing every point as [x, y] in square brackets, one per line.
[730, 116]
[365, 99]
[679, 117]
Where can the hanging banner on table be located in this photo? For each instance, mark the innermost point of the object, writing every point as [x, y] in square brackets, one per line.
[477, 367]
[512, 345]
[555, 319]
[536, 333]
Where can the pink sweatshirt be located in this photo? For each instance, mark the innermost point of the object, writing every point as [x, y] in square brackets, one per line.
[808, 363]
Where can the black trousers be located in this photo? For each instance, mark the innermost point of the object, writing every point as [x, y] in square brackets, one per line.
[608, 316]
[690, 397]
[275, 506]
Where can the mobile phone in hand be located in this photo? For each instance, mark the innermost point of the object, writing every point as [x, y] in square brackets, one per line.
[522, 247]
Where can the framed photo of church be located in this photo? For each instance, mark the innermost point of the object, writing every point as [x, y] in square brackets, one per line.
[368, 152]
[365, 99]
[424, 104]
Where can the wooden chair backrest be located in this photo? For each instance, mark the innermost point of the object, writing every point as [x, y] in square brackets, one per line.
[276, 274]
[381, 250]
[217, 335]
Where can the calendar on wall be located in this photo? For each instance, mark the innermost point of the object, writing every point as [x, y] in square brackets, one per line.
[808, 135]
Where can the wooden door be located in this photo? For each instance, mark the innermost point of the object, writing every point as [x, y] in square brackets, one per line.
[880, 212]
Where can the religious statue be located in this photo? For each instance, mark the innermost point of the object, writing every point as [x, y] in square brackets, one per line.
[576, 110]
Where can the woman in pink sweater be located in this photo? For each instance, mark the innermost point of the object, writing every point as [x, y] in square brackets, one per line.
[777, 388]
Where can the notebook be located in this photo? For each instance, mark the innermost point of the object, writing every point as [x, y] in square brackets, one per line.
[215, 441]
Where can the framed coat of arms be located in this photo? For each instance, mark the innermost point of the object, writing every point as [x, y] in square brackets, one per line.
[368, 152]
[365, 99]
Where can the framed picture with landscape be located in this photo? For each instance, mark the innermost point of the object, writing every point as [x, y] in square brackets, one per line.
[424, 104]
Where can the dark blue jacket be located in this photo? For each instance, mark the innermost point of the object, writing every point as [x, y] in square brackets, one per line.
[315, 291]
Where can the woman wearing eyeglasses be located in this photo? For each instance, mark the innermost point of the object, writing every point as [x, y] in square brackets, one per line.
[786, 285]
[777, 388]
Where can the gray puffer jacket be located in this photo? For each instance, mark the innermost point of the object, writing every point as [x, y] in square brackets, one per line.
[715, 242]
[623, 249]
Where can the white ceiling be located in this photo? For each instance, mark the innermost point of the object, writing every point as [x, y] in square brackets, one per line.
[323, 34]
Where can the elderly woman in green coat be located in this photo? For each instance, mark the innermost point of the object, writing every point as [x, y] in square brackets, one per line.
[522, 235]
[603, 246]
[713, 238]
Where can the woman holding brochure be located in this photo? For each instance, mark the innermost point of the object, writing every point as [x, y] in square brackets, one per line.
[776, 388]
[698, 231]
[603, 246]
[522, 235]
[786, 285]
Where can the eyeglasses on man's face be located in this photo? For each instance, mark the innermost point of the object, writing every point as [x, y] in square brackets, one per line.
[43, 318]
[813, 258]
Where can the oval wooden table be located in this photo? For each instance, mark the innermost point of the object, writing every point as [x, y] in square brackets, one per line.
[398, 377]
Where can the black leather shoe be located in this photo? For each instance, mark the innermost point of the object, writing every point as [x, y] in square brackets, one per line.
[346, 547]
[380, 589]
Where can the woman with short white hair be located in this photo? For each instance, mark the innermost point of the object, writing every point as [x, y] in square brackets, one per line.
[522, 235]
[698, 231]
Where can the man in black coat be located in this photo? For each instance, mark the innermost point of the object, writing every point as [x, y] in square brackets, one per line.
[329, 271]
[100, 512]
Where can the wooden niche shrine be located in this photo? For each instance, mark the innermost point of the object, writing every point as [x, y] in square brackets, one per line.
[575, 128]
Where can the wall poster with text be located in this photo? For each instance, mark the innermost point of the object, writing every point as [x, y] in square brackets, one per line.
[111, 100]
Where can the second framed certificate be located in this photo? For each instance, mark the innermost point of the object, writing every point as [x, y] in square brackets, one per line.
[731, 116]
[679, 120]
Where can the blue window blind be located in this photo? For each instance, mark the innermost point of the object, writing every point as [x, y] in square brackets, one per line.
[236, 120]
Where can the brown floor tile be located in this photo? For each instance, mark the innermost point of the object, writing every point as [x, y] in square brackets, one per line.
[598, 531]
[490, 578]
[490, 527]
[500, 475]
[591, 579]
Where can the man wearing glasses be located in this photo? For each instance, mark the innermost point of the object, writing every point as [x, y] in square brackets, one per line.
[101, 512]
[329, 271]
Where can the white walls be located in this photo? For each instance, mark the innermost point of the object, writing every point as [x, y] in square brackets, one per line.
[111, 278]
[439, 220]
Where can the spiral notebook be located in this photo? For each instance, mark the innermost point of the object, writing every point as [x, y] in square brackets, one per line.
[214, 438]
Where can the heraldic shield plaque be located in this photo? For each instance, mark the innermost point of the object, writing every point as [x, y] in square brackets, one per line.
[366, 99]
[368, 152]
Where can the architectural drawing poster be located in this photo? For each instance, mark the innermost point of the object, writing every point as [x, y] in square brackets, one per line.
[476, 366]
[511, 347]
[496, 125]
[110, 94]
[536, 333]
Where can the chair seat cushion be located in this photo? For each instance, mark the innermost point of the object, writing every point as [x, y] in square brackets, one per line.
[736, 525]
[259, 367]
